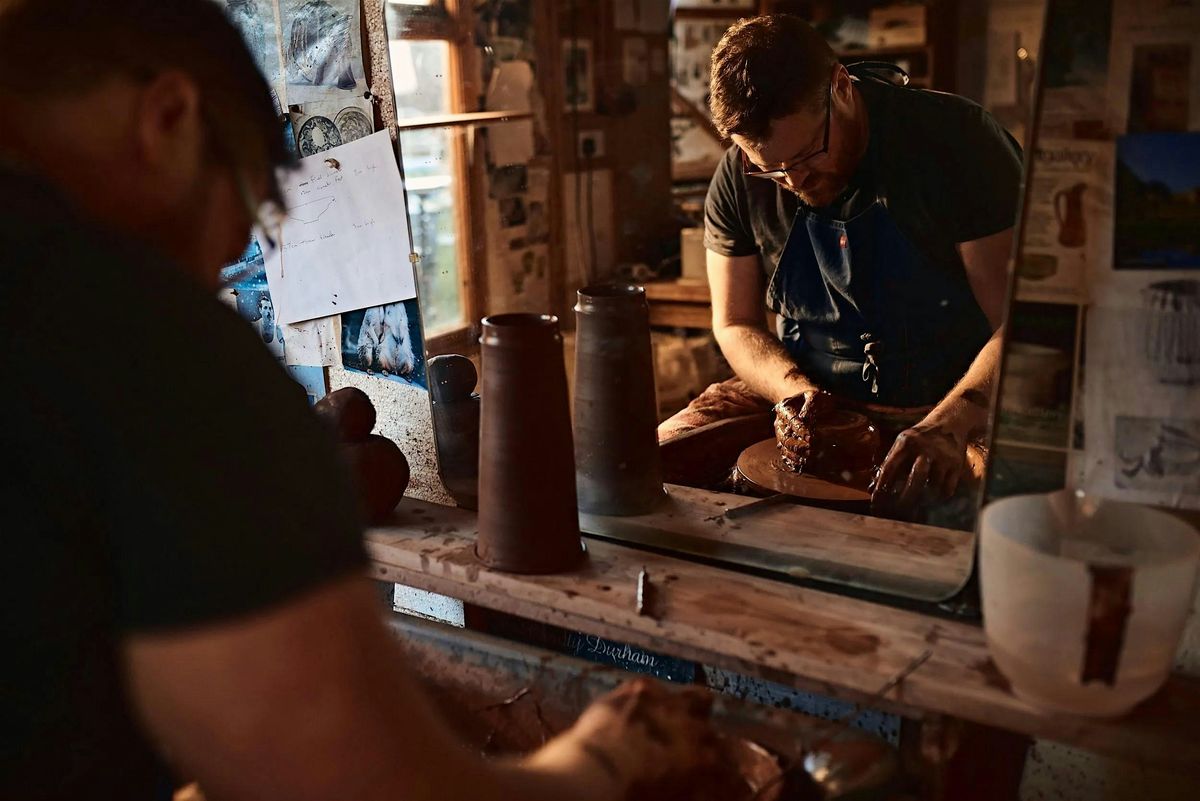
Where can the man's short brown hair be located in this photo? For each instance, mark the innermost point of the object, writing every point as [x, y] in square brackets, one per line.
[67, 46]
[765, 68]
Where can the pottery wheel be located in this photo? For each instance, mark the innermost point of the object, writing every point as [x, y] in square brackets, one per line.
[761, 465]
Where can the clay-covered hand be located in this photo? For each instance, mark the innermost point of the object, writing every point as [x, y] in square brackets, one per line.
[643, 740]
[928, 459]
[794, 417]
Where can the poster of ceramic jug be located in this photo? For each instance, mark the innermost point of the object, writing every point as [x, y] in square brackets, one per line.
[1070, 201]
[1068, 212]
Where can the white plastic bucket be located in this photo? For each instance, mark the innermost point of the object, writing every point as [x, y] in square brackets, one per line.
[1084, 603]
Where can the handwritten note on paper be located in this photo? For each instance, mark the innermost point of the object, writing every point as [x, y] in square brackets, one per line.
[344, 243]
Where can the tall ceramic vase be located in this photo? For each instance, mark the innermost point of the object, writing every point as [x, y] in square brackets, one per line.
[528, 517]
[618, 470]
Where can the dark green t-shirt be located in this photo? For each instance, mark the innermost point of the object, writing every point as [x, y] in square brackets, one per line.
[946, 170]
[160, 471]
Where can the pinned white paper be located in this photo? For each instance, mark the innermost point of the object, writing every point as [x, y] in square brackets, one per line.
[511, 142]
[344, 243]
[312, 344]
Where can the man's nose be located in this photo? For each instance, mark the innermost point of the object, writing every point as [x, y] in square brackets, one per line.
[794, 178]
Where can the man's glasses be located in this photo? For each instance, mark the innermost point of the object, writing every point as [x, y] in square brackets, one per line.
[266, 216]
[265, 213]
[752, 170]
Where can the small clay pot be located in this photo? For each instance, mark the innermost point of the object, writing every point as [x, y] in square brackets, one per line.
[349, 412]
[380, 474]
[528, 517]
[618, 467]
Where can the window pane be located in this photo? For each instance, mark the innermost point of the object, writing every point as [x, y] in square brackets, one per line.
[420, 73]
[429, 169]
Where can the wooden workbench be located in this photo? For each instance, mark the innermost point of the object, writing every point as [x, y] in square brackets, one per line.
[812, 640]
[800, 542]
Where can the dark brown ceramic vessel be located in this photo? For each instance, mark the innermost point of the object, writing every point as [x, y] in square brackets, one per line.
[528, 517]
[452, 380]
[618, 469]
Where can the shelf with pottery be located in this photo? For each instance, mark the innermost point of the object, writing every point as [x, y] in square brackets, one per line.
[838, 646]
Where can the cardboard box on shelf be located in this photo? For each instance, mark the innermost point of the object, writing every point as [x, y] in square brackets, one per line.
[691, 248]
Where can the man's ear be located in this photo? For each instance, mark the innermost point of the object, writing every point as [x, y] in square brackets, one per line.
[842, 85]
[170, 131]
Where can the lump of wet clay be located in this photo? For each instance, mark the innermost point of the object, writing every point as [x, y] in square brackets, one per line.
[827, 442]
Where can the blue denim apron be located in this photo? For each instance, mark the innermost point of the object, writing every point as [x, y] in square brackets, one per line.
[869, 317]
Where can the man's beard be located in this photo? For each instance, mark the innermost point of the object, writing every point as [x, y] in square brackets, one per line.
[826, 190]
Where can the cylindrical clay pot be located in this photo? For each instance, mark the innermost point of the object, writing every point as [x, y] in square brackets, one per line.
[618, 470]
[528, 517]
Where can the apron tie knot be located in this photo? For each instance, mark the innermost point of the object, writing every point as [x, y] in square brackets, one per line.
[870, 370]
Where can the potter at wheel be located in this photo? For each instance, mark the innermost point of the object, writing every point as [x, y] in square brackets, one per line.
[821, 451]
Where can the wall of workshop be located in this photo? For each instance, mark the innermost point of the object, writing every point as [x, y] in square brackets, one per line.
[511, 189]
[623, 210]
[559, 218]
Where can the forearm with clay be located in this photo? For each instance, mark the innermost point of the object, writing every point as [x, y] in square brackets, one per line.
[761, 360]
[965, 407]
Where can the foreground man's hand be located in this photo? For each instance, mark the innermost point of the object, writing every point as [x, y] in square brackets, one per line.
[639, 741]
[931, 455]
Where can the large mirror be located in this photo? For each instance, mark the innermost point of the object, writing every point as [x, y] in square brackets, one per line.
[826, 276]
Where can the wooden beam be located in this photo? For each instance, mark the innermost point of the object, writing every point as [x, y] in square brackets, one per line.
[462, 120]
[681, 104]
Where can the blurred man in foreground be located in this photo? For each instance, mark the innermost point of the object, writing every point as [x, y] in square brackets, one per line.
[177, 608]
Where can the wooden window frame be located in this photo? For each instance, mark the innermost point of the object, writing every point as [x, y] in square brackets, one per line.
[452, 21]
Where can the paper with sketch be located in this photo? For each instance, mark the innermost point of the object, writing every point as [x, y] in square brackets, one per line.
[344, 242]
[312, 344]
[322, 48]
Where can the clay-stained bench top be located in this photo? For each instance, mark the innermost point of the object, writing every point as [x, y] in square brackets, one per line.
[797, 636]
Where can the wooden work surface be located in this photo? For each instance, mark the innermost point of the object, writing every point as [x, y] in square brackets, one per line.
[838, 646]
[915, 561]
